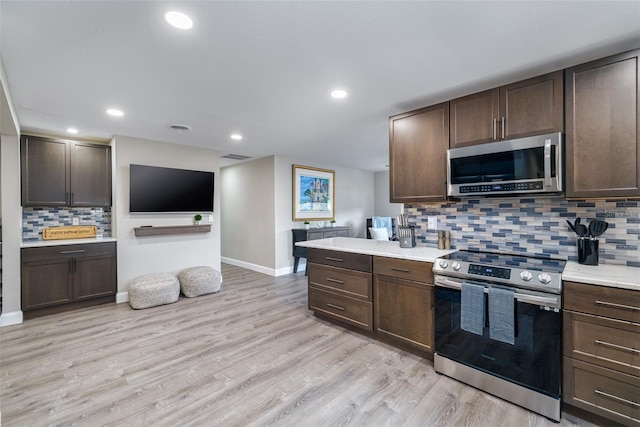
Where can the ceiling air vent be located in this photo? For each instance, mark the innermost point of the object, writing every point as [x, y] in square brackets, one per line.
[180, 128]
[236, 157]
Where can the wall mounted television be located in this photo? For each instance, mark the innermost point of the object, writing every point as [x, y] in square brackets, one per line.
[154, 189]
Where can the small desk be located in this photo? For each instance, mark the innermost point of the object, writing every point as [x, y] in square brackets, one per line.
[302, 234]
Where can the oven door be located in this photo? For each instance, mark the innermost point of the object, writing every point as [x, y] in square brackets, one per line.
[534, 361]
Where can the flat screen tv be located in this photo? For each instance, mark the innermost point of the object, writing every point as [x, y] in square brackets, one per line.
[158, 189]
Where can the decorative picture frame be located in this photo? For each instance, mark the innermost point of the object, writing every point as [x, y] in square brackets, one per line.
[313, 194]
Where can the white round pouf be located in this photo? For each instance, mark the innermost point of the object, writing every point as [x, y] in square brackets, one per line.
[153, 289]
[196, 281]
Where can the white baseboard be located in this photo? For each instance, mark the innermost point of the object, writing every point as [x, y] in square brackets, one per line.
[11, 318]
[122, 297]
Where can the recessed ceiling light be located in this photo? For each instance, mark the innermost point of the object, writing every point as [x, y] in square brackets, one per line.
[178, 20]
[236, 136]
[114, 112]
[72, 130]
[339, 93]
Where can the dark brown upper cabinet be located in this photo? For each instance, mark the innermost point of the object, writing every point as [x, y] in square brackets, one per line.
[529, 107]
[602, 146]
[418, 143]
[59, 172]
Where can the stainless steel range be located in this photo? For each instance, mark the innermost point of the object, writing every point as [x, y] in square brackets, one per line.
[498, 326]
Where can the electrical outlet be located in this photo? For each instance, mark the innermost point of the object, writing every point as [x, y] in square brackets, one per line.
[432, 222]
[211, 218]
[75, 221]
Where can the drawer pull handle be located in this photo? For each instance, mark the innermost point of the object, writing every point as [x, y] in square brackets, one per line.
[79, 251]
[614, 305]
[617, 399]
[617, 347]
[402, 270]
[329, 279]
[329, 258]
[337, 307]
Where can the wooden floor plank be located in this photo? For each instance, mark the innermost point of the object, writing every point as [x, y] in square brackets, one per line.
[252, 354]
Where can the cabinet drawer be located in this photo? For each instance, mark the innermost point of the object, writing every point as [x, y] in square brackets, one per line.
[623, 304]
[418, 271]
[602, 391]
[67, 251]
[342, 233]
[349, 310]
[610, 343]
[340, 259]
[356, 284]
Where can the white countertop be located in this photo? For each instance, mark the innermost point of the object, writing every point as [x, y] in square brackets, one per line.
[615, 276]
[376, 247]
[40, 243]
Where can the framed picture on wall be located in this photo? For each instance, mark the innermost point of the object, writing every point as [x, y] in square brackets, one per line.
[313, 194]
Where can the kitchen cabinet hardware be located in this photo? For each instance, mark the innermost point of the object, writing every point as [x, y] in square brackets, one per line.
[617, 399]
[337, 307]
[402, 270]
[614, 305]
[616, 346]
[328, 258]
[77, 251]
[330, 279]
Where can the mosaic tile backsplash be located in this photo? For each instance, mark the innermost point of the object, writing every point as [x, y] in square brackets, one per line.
[532, 226]
[35, 219]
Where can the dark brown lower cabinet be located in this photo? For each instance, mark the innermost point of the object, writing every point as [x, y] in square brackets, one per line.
[601, 368]
[61, 278]
[403, 302]
[386, 298]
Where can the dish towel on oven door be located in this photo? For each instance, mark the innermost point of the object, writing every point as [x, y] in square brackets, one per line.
[472, 308]
[501, 315]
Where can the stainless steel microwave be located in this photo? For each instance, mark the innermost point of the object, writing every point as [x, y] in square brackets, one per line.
[519, 166]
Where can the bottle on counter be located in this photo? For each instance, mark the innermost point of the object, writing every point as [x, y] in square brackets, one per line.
[447, 240]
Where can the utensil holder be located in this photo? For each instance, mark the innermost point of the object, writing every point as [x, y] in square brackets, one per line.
[588, 251]
[407, 236]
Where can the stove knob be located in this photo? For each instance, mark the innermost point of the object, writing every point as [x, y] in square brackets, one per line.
[443, 264]
[456, 266]
[526, 276]
[544, 278]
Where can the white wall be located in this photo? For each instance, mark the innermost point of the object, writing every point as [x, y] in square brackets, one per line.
[248, 214]
[11, 211]
[382, 206]
[168, 253]
[354, 204]
[270, 180]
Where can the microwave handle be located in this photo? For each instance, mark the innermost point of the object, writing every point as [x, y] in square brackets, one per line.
[547, 162]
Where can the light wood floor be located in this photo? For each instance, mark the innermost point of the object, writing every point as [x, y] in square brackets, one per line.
[250, 355]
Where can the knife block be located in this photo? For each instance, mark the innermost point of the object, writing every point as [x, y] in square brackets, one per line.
[407, 236]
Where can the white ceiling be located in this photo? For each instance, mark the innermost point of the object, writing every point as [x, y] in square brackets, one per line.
[265, 69]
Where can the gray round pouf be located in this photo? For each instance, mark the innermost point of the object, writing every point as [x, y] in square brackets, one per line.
[196, 281]
[153, 289]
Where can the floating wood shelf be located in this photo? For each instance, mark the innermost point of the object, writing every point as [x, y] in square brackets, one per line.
[172, 229]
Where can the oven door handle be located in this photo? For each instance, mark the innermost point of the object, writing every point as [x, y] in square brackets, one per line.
[551, 301]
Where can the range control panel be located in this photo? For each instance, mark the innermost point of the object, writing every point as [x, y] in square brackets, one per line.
[483, 270]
